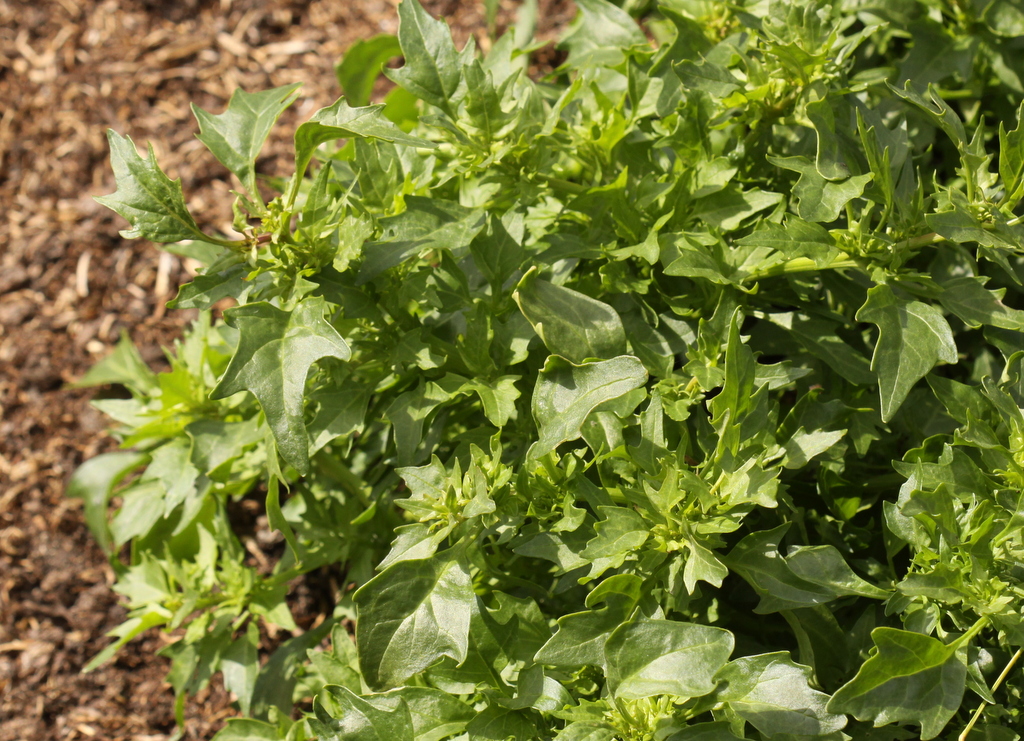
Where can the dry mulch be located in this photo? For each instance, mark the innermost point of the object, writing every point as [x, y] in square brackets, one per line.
[69, 285]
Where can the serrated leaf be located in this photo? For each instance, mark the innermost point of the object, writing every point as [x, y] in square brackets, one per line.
[207, 289]
[811, 575]
[151, 202]
[275, 352]
[620, 532]
[707, 76]
[433, 68]
[435, 714]
[913, 678]
[968, 298]
[236, 136]
[912, 338]
[599, 35]
[819, 199]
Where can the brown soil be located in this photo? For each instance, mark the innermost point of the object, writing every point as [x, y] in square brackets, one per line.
[69, 285]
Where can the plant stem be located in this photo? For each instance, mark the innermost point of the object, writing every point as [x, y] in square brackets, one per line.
[800, 265]
[563, 185]
[995, 685]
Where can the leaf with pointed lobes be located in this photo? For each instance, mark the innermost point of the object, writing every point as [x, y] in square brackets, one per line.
[275, 351]
[236, 136]
[151, 202]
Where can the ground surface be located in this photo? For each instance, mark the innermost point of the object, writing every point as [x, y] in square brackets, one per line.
[69, 285]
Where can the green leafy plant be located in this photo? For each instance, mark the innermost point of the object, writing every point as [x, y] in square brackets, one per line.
[675, 395]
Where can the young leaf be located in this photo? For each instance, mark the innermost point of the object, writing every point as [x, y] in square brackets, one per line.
[236, 136]
[124, 366]
[275, 351]
[94, 482]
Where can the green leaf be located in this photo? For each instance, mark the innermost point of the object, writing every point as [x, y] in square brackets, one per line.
[811, 575]
[715, 731]
[647, 658]
[496, 252]
[426, 224]
[240, 665]
[707, 76]
[817, 198]
[829, 162]
[773, 694]
[620, 532]
[912, 338]
[726, 209]
[435, 714]
[207, 289]
[499, 724]
[586, 731]
[124, 366]
[373, 718]
[1011, 158]
[410, 615]
[968, 298]
[599, 35]
[566, 394]
[571, 324]
[93, 482]
[433, 68]
[363, 63]
[275, 352]
[247, 729]
[913, 678]
[702, 565]
[236, 136]
[498, 398]
[151, 202]
[339, 121]
[819, 338]
[580, 637]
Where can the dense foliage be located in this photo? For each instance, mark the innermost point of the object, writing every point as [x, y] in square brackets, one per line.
[676, 395]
